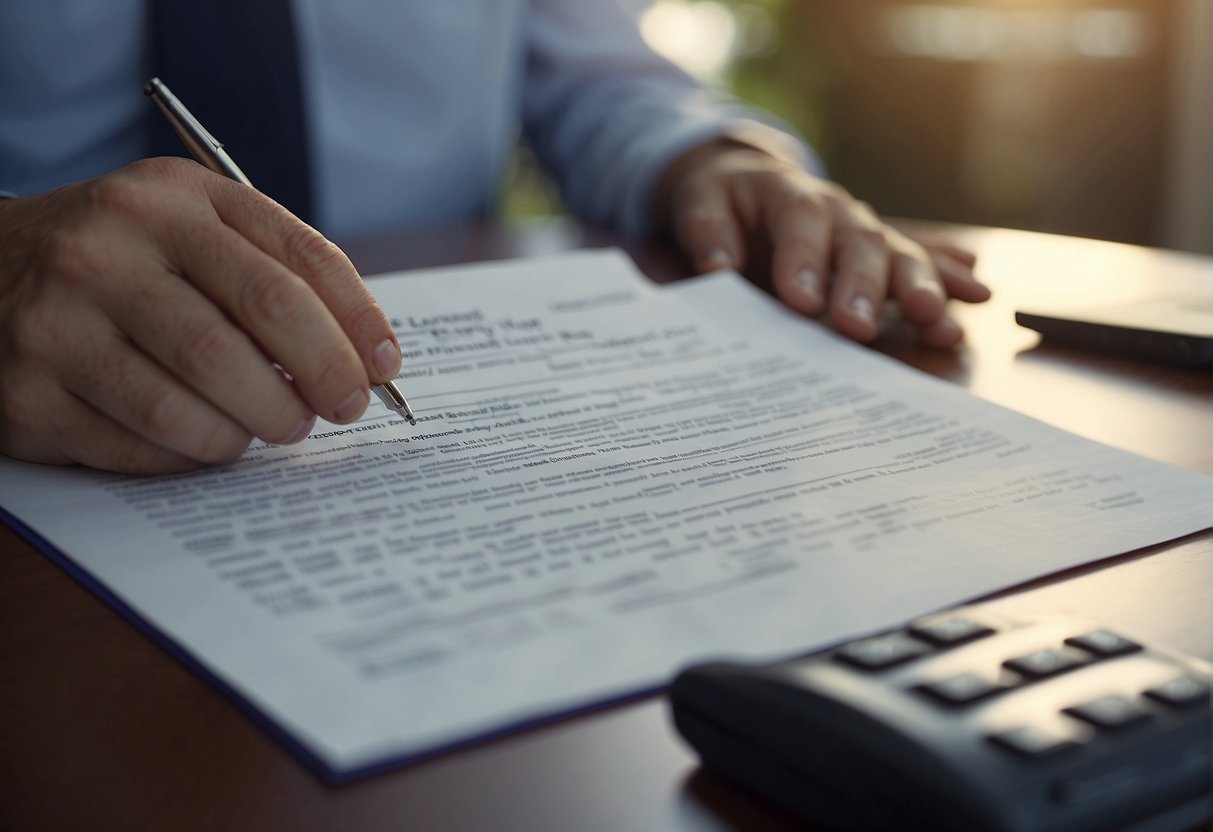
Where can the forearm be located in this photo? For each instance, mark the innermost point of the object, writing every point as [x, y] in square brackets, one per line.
[608, 120]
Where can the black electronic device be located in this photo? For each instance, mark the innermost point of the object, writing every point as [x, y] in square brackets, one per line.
[1177, 330]
[965, 721]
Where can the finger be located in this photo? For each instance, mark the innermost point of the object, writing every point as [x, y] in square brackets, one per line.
[281, 314]
[861, 258]
[966, 256]
[800, 228]
[917, 286]
[707, 228]
[80, 434]
[125, 385]
[958, 278]
[322, 266]
[189, 336]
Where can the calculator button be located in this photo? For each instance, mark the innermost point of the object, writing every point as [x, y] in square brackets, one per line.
[1048, 661]
[881, 652]
[1109, 712]
[1104, 643]
[1181, 692]
[961, 689]
[947, 632]
[1032, 741]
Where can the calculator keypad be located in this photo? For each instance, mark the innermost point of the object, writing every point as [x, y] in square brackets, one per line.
[1033, 741]
[1073, 719]
[962, 689]
[881, 652]
[1181, 692]
[1048, 661]
[988, 678]
[1109, 712]
[951, 631]
[1104, 643]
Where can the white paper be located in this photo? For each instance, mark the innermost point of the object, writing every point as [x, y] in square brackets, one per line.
[608, 481]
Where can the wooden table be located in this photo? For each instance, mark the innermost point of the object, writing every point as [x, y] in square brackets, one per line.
[100, 729]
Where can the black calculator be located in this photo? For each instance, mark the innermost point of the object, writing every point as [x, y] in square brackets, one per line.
[965, 721]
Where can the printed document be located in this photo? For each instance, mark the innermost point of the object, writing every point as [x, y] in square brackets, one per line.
[608, 481]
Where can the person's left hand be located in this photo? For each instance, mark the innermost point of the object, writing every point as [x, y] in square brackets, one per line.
[827, 250]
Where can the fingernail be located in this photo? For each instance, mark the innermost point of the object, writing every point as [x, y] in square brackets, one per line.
[809, 284]
[718, 259]
[386, 358]
[863, 309]
[301, 432]
[353, 405]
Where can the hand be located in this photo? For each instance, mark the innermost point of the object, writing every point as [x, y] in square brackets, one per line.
[142, 314]
[723, 199]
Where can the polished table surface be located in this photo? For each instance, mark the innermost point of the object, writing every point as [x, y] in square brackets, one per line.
[101, 729]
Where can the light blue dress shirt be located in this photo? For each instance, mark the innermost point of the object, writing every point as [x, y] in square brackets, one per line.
[413, 108]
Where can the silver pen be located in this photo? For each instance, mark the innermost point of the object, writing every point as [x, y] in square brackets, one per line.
[209, 151]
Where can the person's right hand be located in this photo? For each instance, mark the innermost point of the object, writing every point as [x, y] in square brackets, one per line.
[142, 314]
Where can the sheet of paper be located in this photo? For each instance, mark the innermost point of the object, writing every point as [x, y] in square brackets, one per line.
[608, 481]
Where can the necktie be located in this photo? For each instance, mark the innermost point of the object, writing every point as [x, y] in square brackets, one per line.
[234, 64]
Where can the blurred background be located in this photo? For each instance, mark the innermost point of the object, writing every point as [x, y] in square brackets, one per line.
[1085, 117]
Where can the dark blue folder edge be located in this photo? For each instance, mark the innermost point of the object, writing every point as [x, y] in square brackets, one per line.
[266, 723]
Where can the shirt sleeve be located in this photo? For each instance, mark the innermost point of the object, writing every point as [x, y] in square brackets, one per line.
[606, 115]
